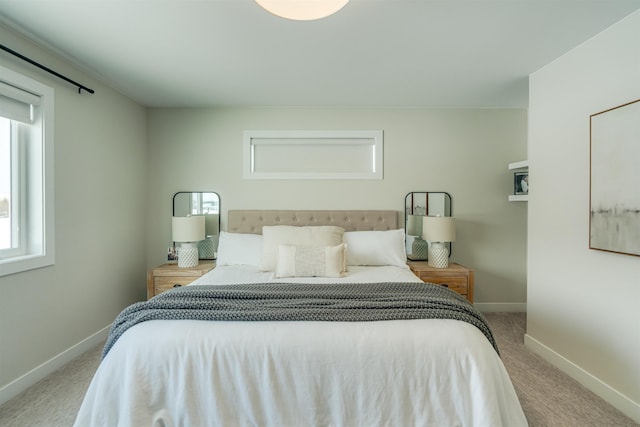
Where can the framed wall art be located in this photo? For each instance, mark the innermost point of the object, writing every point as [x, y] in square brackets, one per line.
[614, 222]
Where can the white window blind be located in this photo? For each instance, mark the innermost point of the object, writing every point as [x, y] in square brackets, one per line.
[17, 104]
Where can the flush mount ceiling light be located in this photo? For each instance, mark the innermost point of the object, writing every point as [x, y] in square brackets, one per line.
[302, 10]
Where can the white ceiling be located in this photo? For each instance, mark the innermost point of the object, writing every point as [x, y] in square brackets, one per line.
[390, 53]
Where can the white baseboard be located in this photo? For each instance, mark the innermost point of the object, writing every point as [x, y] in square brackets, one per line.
[600, 388]
[501, 307]
[20, 384]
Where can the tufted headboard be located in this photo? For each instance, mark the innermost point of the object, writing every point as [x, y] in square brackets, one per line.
[251, 221]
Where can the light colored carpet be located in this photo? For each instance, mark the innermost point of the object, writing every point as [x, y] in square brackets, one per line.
[549, 398]
[54, 401]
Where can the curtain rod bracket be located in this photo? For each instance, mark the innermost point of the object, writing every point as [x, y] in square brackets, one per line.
[47, 69]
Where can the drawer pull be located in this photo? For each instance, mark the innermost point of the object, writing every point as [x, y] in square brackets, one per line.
[444, 285]
[177, 285]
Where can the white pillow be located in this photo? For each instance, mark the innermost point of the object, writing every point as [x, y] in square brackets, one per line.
[311, 261]
[239, 249]
[276, 235]
[376, 248]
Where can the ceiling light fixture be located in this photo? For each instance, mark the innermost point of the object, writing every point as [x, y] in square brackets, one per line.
[302, 10]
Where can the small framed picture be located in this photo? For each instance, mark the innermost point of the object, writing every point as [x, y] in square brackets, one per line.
[521, 183]
[172, 254]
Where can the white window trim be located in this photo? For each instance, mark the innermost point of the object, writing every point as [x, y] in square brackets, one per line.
[45, 256]
[332, 140]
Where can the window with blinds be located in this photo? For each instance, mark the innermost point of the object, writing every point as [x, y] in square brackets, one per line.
[26, 173]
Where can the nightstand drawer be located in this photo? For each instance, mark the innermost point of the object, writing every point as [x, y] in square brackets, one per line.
[165, 277]
[161, 284]
[456, 277]
[457, 284]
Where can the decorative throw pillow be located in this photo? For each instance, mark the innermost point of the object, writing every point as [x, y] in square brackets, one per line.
[276, 235]
[311, 261]
[239, 249]
[376, 248]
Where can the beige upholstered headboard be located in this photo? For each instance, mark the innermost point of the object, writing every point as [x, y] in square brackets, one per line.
[251, 221]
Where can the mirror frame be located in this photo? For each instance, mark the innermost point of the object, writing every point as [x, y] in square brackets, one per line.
[214, 237]
[410, 207]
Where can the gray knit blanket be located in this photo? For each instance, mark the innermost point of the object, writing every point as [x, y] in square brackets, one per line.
[343, 302]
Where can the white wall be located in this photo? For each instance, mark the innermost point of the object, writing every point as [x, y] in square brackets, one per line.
[582, 304]
[463, 152]
[100, 217]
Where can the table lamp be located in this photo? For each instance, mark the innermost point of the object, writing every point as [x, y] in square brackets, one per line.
[438, 230]
[188, 230]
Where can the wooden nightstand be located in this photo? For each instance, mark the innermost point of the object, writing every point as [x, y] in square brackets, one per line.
[167, 276]
[455, 277]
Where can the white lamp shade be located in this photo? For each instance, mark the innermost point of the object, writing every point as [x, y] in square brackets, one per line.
[438, 229]
[188, 228]
[414, 225]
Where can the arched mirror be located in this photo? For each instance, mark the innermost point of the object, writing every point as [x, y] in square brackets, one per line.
[187, 203]
[418, 204]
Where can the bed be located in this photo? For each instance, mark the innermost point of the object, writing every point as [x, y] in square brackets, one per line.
[310, 318]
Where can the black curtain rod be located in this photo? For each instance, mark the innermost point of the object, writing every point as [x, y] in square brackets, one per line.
[47, 69]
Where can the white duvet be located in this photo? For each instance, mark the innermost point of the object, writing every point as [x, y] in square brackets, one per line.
[388, 373]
